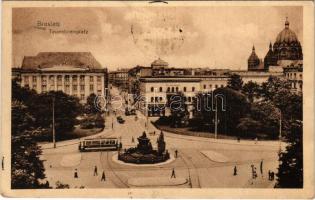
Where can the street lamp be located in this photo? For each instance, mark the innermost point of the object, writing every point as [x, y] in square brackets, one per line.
[53, 121]
[216, 113]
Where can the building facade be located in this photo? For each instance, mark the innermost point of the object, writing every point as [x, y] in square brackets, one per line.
[294, 73]
[119, 78]
[74, 73]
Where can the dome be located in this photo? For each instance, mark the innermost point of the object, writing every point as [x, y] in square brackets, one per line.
[286, 35]
[159, 63]
[253, 56]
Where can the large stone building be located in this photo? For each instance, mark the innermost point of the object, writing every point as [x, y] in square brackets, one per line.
[285, 51]
[75, 73]
[119, 78]
[294, 73]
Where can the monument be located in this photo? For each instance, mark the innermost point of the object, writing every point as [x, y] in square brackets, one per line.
[144, 153]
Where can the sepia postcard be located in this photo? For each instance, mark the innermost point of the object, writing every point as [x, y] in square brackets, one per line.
[157, 99]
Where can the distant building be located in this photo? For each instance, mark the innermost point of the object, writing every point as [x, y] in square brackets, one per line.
[254, 63]
[119, 78]
[294, 73]
[75, 73]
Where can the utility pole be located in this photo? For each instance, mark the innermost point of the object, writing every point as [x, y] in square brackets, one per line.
[216, 119]
[53, 122]
[280, 130]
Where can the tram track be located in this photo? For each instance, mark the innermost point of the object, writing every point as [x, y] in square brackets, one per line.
[187, 161]
[116, 180]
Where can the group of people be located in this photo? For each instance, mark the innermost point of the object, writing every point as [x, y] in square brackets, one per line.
[103, 178]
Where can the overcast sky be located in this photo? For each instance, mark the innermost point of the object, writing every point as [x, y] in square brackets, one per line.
[119, 37]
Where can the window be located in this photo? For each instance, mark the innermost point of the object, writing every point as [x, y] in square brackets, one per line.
[82, 88]
[82, 97]
[185, 89]
[44, 80]
[176, 89]
[193, 89]
[189, 99]
[168, 89]
[44, 88]
[74, 78]
[74, 88]
[152, 99]
[216, 86]
[82, 78]
[161, 89]
[161, 99]
[99, 79]
[91, 79]
[67, 78]
[67, 89]
[294, 75]
[156, 99]
[204, 86]
[173, 89]
[222, 86]
[300, 76]
[91, 88]
[34, 79]
[210, 86]
[152, 89]
[294, 85]
[26, 79]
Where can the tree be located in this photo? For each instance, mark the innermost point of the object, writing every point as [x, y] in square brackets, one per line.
[178, 109]
[235, 82]
[66, 109]
[290, 173]
[268, 116]
[232, 105]
[273, 86]
[251, 90]
[248, 127]
[27, 169]
[90, 106]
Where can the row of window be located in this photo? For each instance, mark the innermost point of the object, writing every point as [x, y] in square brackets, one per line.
[210, 86]
[291, 75]
[160, 99]
[59, 78]
[176, 89]
[173, 89]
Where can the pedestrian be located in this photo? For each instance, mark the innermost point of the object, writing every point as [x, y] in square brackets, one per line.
[256, 140]
[76, 174]
[235, 171]
[272, 176]
[176, 152]
[255, 172]
[238, 139]
[103, 176]
[261, 167]
[95, 171]
[269, 175]
[132, 139]
[173, 173]
[2, 163]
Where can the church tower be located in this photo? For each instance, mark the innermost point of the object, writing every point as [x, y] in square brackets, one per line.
[270, 58]
[253, 61]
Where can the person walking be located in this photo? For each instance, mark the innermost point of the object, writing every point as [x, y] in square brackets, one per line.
[176, 152]
[235, 171]
[103, 177]
[76, 174]
[95, 171]
[173, 173]
[256, 140]
[269, 175]
[133, 139]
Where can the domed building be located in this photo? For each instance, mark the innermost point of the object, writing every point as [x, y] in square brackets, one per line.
[287, 45]
[285, 51]
[270, 59]
[254, 63]
[159, 63]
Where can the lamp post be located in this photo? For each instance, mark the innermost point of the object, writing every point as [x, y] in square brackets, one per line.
[53, 122]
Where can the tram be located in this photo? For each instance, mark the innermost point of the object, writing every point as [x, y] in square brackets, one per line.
[99, 144]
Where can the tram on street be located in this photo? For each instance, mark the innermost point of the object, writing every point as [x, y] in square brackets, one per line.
[99, 144]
